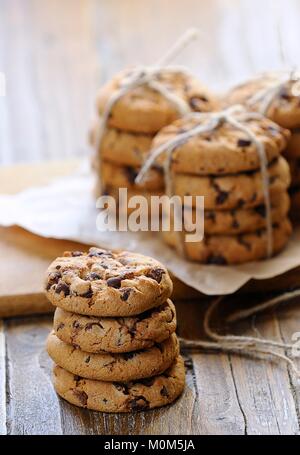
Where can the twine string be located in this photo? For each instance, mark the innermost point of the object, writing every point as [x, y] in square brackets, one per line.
[239, 344]
[266, 96]
[234, 115]
[146, 75]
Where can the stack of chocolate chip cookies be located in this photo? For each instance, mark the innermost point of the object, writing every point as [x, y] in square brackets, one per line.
[113, 343]
[133, 121]
[284, 109]
[223, 165]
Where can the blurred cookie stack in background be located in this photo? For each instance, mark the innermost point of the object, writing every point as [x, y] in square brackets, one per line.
[277, 95]
[224, 166]
[114, 343]
[133, 121]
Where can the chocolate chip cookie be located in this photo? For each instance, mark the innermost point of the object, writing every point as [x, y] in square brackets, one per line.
[226, 150]
[105, 283]
[237, 221]
[233, 249]
[284, 108]
[121, 147]
[114, 367]
[116, 335]
[145, 110]
[121, 397]
[243, 190]
[124, 177]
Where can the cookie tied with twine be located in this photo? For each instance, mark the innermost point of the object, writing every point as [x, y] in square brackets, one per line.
[274, 94]
[143, 99]
[203, 125]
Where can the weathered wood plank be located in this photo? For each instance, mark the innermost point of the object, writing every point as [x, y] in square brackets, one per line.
[2, 381]
[33, 406]
[288, 317]
[263, 387]
[218, 410]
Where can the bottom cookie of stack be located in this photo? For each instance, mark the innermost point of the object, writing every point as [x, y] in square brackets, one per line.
[105, 396]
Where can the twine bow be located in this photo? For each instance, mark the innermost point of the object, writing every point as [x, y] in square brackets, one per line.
[234, 116]
[147, 75]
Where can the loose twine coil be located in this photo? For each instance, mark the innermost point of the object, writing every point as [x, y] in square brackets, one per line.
[146, 76]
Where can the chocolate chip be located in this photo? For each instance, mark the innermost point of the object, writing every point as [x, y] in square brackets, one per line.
[58, 267]
[90, 325]
[60, 326]
[243, 242]
[261, 210]
[114, 282]
[93, 276]
[121, 387]
[164, 392]
[76, 253]
[131, 174]
[240, 203]
[139, 403]
[53, 278]
[87, 295]
[156, 274]
[129, 355]
[244, 143]
[221, 197]
[97, 252]
[62, 287]
[125, 294]
[148, 382]
[235, 224]
[81, 396]
[88, 358]
[76, 325]
[216, 260]
[210, 216]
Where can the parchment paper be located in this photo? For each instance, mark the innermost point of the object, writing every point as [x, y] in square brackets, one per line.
[66, 209]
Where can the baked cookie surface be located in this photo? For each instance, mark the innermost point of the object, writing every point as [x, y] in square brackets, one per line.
[285, 107]
[226, 150]
[121, 147]
[237, 221]
[233, 249]
[242, 190]
[103, 283]
[114, 367]
[119, 397]
[145, 110]
[124, 177]
[116, 335]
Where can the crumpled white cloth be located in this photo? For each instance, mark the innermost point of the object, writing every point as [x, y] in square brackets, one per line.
[66, 209]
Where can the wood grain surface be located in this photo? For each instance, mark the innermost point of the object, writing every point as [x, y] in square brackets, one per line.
[224, 394]
[54, 56]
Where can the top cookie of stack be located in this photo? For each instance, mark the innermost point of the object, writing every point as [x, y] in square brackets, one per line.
[134, 120]
[283, 109]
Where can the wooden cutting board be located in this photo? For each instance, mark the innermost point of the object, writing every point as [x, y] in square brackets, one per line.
[25, 256]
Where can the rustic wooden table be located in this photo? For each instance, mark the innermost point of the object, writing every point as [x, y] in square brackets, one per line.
[54, 55]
